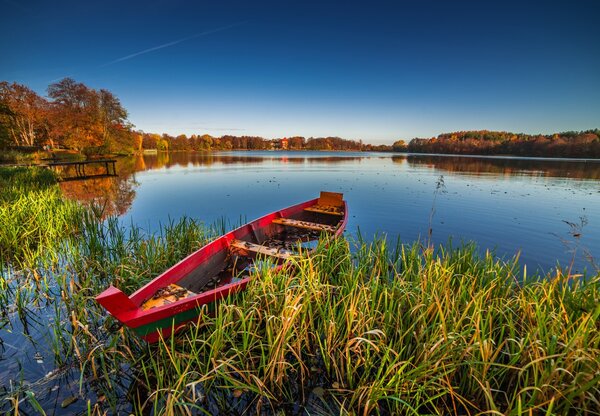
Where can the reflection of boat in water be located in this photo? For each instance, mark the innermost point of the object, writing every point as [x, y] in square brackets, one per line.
[222, 267]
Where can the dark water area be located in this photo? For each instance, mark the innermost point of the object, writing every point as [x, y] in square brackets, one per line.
[545, 209]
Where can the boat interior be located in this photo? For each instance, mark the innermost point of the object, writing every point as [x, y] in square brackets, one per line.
[256, 246]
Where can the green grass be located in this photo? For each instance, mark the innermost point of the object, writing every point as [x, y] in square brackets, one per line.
[34, 215]
[372, 332]
[24, 179]
[14, 156]
[358, 328]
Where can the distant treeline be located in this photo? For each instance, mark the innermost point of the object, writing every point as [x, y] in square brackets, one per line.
[483, 142]
[206, 142]
[78, 118]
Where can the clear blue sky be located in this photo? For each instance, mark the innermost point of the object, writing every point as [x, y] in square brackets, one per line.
[370, 70]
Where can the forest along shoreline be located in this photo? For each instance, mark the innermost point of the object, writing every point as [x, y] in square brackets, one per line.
[77, 121]
[380, 328]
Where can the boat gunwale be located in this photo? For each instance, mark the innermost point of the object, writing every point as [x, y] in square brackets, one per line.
[136, 317]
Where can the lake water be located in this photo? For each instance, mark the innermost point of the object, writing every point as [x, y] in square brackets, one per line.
[543, 209]
[548, 210]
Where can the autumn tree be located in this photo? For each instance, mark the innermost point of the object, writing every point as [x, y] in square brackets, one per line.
[150, 140]
[179, 143]
[23, 115]
[137, 141]
[76, 117]
[83, 118]
[205, 142]
[484, 142]
[399, 146]
[296, 143]
[115, 128]
[226, 144]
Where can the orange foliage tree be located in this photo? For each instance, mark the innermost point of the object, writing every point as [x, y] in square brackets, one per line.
[483, 142]
[24, 115]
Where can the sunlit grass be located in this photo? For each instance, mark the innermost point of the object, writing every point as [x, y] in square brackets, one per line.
[34, 215]
[359, 327]
[13, 156]
[423, 332]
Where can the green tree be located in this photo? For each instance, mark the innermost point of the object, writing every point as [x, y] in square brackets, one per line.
[162, 145]
[5, 139]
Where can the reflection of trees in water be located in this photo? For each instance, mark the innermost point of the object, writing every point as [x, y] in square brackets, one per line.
[328, 159]
[517, 167]
[115, 194]
[167, 160]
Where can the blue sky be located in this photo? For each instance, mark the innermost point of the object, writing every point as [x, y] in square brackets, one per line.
[377, 71]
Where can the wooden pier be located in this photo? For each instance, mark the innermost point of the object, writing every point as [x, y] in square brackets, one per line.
[80, 174]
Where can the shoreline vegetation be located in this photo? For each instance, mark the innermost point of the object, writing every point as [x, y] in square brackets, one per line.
[78, 121]
[377, 329]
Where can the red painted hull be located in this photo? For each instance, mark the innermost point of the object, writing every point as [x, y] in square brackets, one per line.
[162, 321]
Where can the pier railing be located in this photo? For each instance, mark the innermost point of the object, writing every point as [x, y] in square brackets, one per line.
[80, 173]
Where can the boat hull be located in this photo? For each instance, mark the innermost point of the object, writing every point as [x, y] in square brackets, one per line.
[152, 320]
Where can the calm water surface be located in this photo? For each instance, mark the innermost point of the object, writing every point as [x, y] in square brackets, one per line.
[510, 205]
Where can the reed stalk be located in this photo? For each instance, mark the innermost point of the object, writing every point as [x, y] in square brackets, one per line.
[360, 327]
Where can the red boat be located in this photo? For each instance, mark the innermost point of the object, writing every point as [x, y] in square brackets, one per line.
[223, 267]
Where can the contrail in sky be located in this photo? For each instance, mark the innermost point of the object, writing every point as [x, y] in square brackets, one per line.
[175, 42]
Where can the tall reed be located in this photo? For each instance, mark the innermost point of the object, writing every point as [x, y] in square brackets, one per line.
[34, 215]
[357, 328]
[389, 331]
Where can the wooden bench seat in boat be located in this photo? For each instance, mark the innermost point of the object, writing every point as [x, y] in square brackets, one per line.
[247, 247]
[325, 209]
[166, 296]
[331, 203]
[305, 224]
